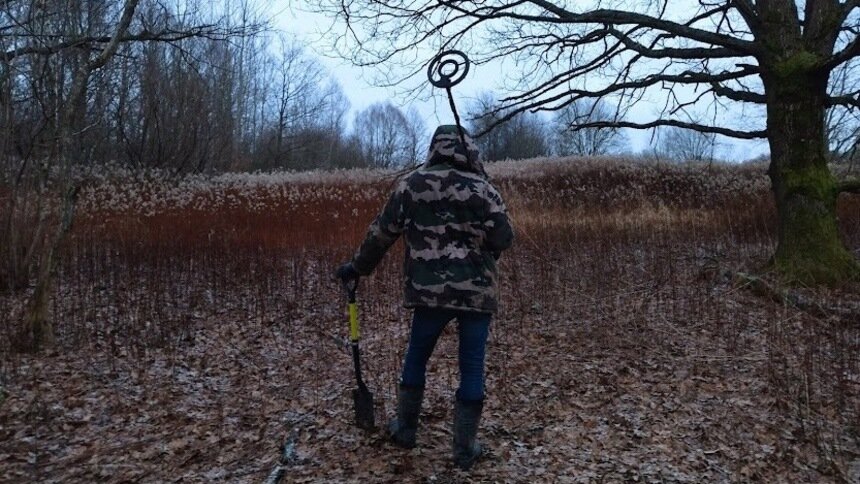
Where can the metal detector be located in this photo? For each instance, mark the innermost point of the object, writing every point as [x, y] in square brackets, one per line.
[445, 71]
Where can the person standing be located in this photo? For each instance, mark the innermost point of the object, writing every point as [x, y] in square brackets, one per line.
[455, 226]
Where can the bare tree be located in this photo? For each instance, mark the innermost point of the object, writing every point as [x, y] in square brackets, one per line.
[417, 135]
[522, 136]
[387, 137]
[322, 142]
[568, 140]
[493, 142]
[57, 88]
[177, 97]
[38, 328]
[685, 145]
[774, 54]
[306, 103]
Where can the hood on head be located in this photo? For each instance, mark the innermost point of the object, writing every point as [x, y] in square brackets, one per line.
[446, 147]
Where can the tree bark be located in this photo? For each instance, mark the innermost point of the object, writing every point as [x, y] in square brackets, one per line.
[809, 249]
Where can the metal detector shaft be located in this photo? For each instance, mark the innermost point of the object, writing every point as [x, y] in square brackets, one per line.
[460, 129]
[446, 70]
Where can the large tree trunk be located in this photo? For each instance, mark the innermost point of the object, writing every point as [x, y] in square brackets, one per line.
[810, 250]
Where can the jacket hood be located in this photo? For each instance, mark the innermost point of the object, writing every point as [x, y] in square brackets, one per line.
[447, 148]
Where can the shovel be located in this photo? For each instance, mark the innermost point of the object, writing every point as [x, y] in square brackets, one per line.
[361, 396]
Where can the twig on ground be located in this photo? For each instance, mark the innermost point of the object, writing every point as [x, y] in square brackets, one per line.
[289, 456]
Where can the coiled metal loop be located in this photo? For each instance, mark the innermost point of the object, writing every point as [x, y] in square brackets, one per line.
[448, 68]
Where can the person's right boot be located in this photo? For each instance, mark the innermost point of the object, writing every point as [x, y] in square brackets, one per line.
[467, 416]
[403, 428]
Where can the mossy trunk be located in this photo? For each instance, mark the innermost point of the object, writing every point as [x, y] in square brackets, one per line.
[809, 248]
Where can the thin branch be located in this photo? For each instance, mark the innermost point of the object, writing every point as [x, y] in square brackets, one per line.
[619, 17]
[672, 122]
[688, 77]
[207, 31]
[675, 53]
[609, 17]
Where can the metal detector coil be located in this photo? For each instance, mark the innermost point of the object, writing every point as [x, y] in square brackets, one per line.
[448, 69]
[445, 71]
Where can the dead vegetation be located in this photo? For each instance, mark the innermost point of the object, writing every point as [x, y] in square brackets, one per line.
[195, 338]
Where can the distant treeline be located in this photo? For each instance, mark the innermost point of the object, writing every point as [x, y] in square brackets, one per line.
[197, 89]
[191, 89]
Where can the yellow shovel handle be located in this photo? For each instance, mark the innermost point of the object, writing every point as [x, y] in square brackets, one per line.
[353, 322]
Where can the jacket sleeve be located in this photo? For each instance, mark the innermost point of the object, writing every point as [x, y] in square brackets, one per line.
[383, 232]
[499, 235]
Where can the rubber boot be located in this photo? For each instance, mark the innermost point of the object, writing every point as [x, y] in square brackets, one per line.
[467, 415]
[404, 427]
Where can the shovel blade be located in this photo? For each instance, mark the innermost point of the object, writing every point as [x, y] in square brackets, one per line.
[364, 415]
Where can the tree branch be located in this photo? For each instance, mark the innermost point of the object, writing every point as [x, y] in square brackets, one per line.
[748, 12]
[113, 44]
[208, 31]
[82, 75]
[530, 100]
[674, 53]
[847, 8]
[671, 122]
[618, 17]
[849, 101]
[850, 51]
[738, 95]
[609, 17]
[821, 19]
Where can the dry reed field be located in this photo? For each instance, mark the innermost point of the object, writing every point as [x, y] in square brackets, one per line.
[199, 328]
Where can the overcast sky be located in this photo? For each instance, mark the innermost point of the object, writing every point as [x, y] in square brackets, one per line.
[358, 85]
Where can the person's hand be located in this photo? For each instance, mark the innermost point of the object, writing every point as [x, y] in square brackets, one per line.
[347, 273]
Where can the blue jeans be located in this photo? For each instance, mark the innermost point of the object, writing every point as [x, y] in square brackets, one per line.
[427, 325]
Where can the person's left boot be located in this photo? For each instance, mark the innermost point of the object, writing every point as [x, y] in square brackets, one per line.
[405, 426]
[467, 416]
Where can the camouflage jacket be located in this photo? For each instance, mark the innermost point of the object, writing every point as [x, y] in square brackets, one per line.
[455, 226]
